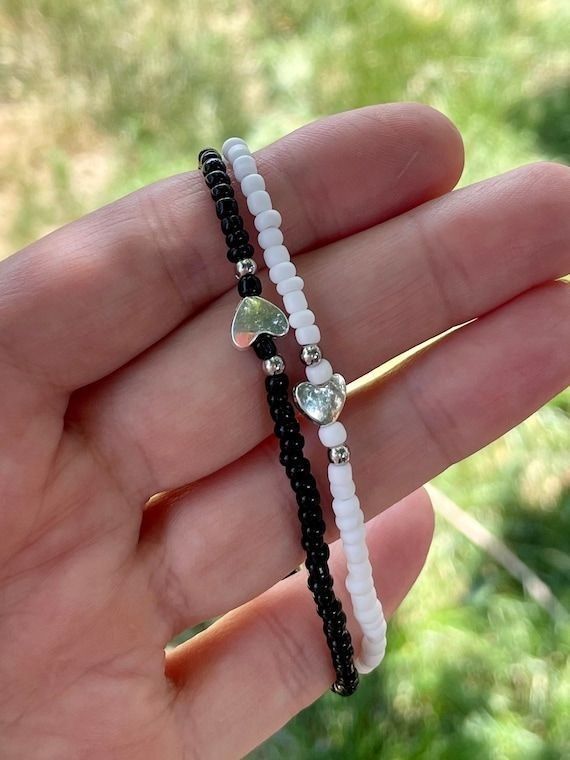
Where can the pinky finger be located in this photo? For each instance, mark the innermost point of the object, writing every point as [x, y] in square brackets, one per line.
[258, 666]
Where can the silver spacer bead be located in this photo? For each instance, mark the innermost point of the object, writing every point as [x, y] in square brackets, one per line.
[245, 266]
[339, 454]
[311, 354]
[274, 366]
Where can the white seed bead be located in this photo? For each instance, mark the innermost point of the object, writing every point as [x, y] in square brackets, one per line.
[289, 285]
[301, 318]
[367, 661]
[259, 201]
[307, 335]
[361, 667]
[355, 536]
[282, 271]
[360, 569]
[332, 435]
[373, 649]
[295, 301]
[365, 603]
[368, 617]
[355, 554]
[251, 183]
[365, 619]
[243, 166]
[348, 522]
[270, 236]
[343, 507]
[277, 254]
[318, 373]
[375, 630]
[357, 586]
[340, 473]
[371, 658]
[236, 152]
[266, 219]
[343, 490]
[229, 143]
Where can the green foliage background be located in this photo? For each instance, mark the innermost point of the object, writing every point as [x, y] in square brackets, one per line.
[99, 98]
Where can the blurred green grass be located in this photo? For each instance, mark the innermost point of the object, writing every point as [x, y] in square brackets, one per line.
[100, 98]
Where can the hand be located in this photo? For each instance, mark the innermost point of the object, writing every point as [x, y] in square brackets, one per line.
[119, 381]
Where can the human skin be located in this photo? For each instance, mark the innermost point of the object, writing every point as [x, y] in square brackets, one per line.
[119, 381]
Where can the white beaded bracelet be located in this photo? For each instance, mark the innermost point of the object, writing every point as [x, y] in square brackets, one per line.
[321, 399]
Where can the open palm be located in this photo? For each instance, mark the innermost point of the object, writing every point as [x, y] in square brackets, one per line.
[119, 382]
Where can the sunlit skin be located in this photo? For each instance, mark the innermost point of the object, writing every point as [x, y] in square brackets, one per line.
[119, 381]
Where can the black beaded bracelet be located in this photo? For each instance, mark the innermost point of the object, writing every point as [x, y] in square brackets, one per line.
[251, 315]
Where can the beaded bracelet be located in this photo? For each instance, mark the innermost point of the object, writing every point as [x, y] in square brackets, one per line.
[255, 323]
[321, 399]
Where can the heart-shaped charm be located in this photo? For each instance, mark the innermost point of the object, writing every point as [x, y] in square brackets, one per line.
[321, 403]
[255, 316]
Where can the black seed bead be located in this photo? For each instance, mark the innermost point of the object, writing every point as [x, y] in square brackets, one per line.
[351, 687]
[217, 178]
[277, 399]
[320, 585]
[314, 528]
[283, 429]
[222, 191]
[304, 483]
[213, 165]
[341, 649]
[274, 383]
[323, 599]
[245, 251]
[282, 414]
[312, 543]
[231, 224]
[341, 659]
[310, 500]
[226, 207]
[335, 607]
[292, 443]
[302, 467]
[346, 671]
[287, 458]
[344, 689]
[334, 625]
[235, 239]
[321, 555]
[264, 347]
[296, 440]
[317, 568]
[205, 154]
[344, 667]
[333, 629]
[249, 285]
[305, 478]
[241, 252]
[312, 523]
[277, 391]
[342, 642]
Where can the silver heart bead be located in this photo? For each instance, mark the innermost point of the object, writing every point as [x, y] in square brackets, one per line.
[254, 316]
[321, 403]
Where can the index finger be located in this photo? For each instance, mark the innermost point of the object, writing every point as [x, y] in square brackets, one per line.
[86, 299]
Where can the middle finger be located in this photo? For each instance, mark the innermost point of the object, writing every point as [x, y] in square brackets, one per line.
[399, 283]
